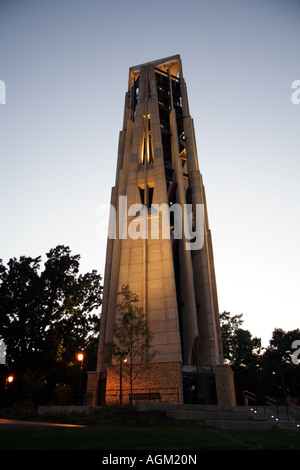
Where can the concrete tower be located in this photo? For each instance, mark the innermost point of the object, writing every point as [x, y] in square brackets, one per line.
[164, 252]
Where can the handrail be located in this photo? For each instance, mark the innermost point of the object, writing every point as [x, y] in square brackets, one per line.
[270, 401]
[250, 396]
[291, 408]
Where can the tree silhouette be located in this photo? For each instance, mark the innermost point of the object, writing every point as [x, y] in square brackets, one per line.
[47, 314]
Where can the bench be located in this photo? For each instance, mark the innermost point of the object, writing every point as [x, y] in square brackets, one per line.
[145, 396]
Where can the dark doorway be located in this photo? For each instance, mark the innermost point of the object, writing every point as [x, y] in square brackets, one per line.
[199, 388]
[102, 388]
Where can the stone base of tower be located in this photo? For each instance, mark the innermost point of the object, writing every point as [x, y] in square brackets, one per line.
[161, 381]
[165, 382]
[224, 385]
[92, 389]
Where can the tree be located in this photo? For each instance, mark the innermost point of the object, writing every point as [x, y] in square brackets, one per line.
[229, 325]
[280, 346]
[239, 347]
[47, 315]
[242, 351]
[132, 337]
[281, 375]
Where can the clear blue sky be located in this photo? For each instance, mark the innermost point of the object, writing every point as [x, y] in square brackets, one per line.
[65, 65]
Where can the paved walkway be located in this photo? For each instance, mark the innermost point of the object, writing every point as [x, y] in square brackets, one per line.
[13, 424]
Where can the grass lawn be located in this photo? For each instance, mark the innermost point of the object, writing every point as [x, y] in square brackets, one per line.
[175, 436]
[124, 429]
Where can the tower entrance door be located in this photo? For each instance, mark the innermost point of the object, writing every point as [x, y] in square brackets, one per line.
[199, 386]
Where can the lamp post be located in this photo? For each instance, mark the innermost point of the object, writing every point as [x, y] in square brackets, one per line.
[122, 355]
[80, 358]
[8, 380]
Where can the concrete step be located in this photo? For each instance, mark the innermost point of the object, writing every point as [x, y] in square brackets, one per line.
[144, 405]
[199, 412]
[228, 417]
[240, 425]
[263, 425]
[290, 425]
[212, 415]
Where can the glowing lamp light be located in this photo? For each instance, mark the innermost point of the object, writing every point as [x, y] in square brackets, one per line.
[80, 357]
[10, 379]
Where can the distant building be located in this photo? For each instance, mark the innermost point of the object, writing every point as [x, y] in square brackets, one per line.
[169, 267]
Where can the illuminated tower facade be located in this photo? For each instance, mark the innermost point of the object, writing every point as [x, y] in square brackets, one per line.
[165, 256]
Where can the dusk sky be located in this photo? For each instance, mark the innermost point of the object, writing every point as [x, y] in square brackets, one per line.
[65, 67]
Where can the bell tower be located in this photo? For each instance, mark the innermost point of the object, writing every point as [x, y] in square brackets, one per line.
[161, 245]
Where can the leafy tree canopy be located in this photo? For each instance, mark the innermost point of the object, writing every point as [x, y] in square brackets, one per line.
[46, 314]
[266, 371]
[280, 350]
[240, 348]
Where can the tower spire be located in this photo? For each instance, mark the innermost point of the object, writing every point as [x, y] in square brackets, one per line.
[165, 251]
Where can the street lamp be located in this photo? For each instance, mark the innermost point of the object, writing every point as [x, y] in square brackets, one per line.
[122, 355]
[80, 357]
[9, 379]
